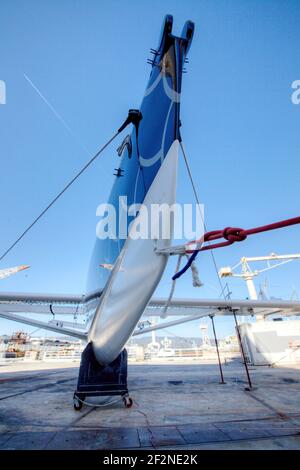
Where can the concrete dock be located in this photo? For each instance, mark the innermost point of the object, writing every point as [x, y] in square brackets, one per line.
[176, 406]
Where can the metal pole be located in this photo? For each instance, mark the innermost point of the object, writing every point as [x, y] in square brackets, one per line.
[243, 353]
[217, 348]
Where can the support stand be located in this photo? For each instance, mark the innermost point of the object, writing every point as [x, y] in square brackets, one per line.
[250, 388]
[95, 380]
[217, 348]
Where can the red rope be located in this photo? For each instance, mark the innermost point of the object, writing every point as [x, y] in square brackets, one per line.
[235, 234]
[231, 235]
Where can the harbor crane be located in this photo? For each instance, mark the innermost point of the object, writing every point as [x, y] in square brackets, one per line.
[273, 261]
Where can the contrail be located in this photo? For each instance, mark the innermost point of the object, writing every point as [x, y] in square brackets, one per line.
[58, 116]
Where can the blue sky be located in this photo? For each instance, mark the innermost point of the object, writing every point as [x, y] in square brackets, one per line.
[88, 59]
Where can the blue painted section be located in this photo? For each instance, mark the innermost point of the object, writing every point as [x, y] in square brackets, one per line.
[158, 129]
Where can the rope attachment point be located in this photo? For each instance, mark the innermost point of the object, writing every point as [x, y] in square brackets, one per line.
[231, 235]
[134, 117]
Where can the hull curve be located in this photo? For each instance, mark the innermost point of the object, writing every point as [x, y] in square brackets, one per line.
[137, 271]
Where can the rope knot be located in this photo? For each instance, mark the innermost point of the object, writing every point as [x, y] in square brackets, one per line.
[234, 234]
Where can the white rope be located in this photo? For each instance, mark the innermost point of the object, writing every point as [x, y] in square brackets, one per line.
[196, 283]
[198, 202]
[99, 405]
[195, 274]
[165, 314]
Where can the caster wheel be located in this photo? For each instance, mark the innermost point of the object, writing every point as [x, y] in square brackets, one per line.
[77, 403]
[128, 402]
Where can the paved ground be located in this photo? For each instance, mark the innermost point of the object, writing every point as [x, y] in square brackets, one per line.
[176, 406]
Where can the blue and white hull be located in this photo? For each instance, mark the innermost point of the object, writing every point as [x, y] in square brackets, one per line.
[149, 169]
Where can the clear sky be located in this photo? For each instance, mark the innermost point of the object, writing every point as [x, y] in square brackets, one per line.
[88, 59]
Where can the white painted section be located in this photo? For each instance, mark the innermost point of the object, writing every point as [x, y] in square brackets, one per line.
[272, 342]
[251, 288]
[136, 273]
